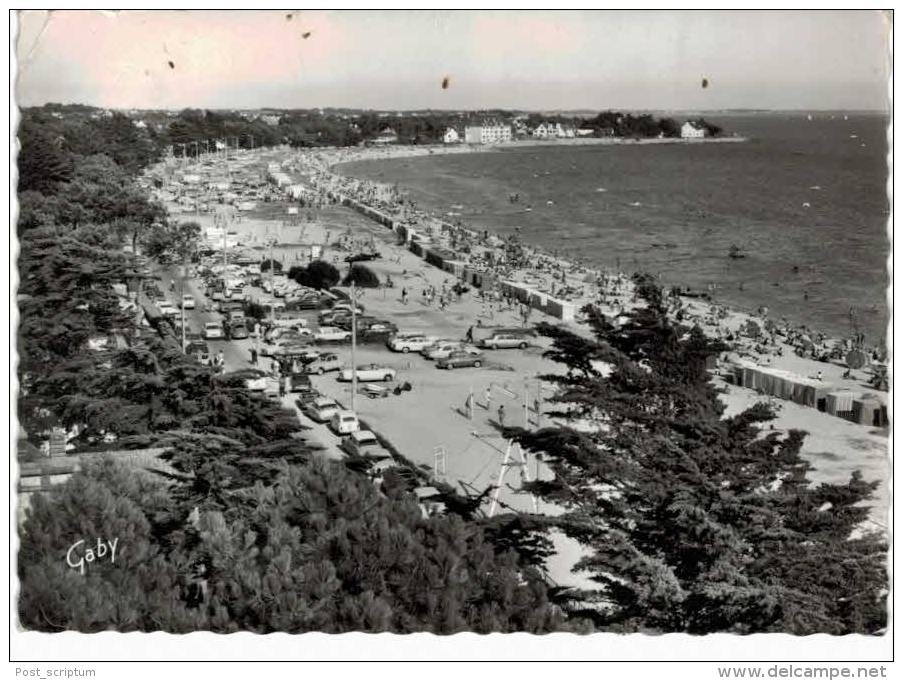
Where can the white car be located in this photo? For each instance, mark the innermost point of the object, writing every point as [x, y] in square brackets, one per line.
[213, 331]
[344, 422]
[331, 334]
[364, 443]
[369, 372]
[505, 340]
[324, 363]
[444, 350]
[321, 409]
[410, 343]
[188, 302]
[288, 320]
[166, 308]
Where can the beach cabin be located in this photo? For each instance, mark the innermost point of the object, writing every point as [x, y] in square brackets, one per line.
[691, 130]
[451, 136]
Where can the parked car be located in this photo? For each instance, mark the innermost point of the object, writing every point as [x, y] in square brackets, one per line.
[167, 309]
[330, 334]
[410, 343]
[302, 302]
[300, 383]
[259, 381]
[199, 350]
[379, 326]
[331, 318]
[289, 347]
[369, 372]
[505, 340]
[188, 302]
[362, 257]
[364, 443]
[457, 360]
[238, 330]
[346, 306]
[444, 349]
[287, 333]
[213, 331]
[320, 409]
[325, 363]
[344, 422]
[289, 321]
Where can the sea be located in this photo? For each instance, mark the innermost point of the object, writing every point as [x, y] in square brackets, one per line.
[804, 201]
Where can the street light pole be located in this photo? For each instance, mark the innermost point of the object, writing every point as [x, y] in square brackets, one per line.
[182, 301]
[353, 349]
[272, 290]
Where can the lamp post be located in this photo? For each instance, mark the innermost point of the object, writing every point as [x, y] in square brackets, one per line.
[353, 349]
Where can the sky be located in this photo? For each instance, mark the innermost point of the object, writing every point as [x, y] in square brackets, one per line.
[534, 60]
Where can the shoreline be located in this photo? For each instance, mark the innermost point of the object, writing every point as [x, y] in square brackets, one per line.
[377, 153]
[332, 166]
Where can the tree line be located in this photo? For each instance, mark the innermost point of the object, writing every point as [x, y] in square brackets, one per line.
[250, 528]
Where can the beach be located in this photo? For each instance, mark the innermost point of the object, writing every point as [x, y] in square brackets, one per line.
[430, 426]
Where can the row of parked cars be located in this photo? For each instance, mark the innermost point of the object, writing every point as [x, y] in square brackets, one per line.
[454, 354]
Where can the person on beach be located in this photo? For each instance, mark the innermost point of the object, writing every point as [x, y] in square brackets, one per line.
[404, 296]
[469, 335]
[254, 356]
[501, 413]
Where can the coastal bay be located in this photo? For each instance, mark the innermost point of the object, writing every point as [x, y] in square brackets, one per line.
[803, 200]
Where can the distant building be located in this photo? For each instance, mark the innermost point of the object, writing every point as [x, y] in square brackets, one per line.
[691, 130]
[451, 136]
[270, 119]
[487, 132]
[585, 132]
[550, 130]
[386, 136]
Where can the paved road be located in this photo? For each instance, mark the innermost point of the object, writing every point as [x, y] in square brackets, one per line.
[237, 353]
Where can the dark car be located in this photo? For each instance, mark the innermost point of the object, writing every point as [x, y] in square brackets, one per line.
[199, 350]
[363, 257]
[303, 303]
[457, 360]
[238, 330]
[300, 383]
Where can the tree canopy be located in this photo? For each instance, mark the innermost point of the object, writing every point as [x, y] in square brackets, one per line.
[695, 522]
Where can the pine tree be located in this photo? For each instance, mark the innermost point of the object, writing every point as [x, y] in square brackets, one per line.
[696, 522]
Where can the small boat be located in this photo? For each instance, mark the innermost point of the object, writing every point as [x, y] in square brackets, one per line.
[735, 253]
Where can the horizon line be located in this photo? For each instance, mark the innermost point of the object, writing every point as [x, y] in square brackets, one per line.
[455, 110]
